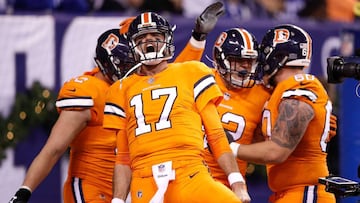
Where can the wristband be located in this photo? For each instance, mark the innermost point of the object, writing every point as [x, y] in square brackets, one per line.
[234, 148]
[235, 177]
[117, 200]
[26, 187]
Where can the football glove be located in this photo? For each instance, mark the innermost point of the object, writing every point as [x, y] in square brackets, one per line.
[207, 20]
[21, 196]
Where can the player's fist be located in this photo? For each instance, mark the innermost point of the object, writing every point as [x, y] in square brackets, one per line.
[333, 127]
[21, 196]
[240, 189]
[207, 20]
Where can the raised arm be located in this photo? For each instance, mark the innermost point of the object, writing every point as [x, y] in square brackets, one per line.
[204, 24]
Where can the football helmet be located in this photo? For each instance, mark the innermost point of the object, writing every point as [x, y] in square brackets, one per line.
[285, 45]
[113, 55]
[145, 23]
[231, 45]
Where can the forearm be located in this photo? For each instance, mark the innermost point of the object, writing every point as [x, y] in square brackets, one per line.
[266, 152]
[121, 181]
[228, 163]
[40, 168]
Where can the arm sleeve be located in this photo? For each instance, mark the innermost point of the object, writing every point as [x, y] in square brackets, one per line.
[114, 114]
[213, 128]
[123, 154]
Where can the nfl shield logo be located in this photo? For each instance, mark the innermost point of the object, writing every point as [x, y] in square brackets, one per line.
[161, 168]
[139, 194]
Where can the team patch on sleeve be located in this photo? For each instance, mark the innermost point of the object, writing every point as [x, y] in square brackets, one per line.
[75, 102]
[113, 109]
[300, 92]
[203, 84]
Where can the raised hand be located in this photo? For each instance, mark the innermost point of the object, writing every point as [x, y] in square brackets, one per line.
[207, 20]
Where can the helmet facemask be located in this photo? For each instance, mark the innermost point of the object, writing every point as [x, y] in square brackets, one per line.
[236, 72]
[152, 52]
[121, 59]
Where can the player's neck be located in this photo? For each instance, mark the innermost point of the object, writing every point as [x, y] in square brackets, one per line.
[101, 76]
[285, 73]
[150, 70]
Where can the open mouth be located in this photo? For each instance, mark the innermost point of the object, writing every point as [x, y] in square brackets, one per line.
[150, 48]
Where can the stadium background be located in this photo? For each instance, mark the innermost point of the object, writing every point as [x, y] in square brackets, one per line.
[53, 48]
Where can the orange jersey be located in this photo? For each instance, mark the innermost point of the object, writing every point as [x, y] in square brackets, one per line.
[240, 112]
[171, 101]
[308, 161]
[92, 152]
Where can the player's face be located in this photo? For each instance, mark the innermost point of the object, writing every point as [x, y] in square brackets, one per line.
[150, 42]
[240, 71]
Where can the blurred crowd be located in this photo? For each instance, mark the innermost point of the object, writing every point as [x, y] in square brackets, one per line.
[333, 10]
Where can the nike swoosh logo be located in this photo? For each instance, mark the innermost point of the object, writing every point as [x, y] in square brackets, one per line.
[72, 90]
[194, 174]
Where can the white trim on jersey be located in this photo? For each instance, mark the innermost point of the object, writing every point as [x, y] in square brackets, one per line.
[112, 109]
[77, 190]
[298, 92]
[74, 102]
[310, 194]
[203, 84]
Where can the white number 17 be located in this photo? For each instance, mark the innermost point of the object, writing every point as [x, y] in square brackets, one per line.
[163, 121]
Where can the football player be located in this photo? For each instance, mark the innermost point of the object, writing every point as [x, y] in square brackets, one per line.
[80, 103]
[235, 54]
[296, 120]
[158, 114]
[204, 24]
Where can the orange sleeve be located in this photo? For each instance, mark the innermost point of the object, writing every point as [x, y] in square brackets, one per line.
[215, 132]
[114, 114]
[122, 155]
[192, 51]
